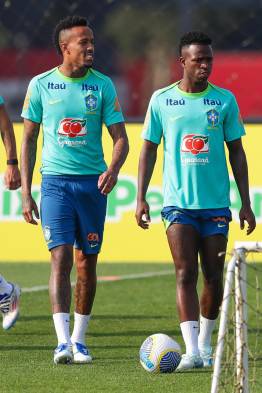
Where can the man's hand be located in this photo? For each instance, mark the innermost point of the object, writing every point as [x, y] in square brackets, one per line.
[142, 214]
[12, 177]
[107, 181]
[29, 206]
[246, 214]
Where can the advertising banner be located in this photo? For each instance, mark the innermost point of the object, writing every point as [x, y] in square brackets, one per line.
[124, 241]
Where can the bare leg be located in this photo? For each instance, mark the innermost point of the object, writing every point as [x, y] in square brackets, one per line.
[212, 267]
[184, 242]
[59, 283]
[85, 289]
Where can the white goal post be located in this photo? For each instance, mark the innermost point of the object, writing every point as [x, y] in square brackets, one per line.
[236, 269]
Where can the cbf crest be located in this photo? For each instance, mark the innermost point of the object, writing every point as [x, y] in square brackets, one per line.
[91, 102]
[213, 118]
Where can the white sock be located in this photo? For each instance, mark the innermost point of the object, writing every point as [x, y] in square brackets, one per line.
[5, 287]
[189, 331]
[62, 324]
[80, 327]
[206, 329]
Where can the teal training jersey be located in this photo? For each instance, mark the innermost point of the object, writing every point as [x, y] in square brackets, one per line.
[1, 100]
[194, 127]
[72, 111]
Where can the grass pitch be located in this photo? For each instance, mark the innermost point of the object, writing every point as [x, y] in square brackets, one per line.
[125, 313]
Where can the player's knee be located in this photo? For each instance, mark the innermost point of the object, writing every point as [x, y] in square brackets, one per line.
[85, 270]
[214, 280]
[186, 276]
[62, 260]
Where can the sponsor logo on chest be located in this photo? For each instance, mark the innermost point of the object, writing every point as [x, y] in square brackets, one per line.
[86, 87]
[72, 127]
[213, 118]
[195, 144]
[171, 102]
[56, 86]
[91, 102]
[209, 101]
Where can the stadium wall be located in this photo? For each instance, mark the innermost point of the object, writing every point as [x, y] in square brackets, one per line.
[124, 241]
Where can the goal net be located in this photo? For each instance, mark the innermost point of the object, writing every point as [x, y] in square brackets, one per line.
[238, 355]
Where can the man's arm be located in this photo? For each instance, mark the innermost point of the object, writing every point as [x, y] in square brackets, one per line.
[108, 179]
[12, 177]
[28, 157]
[147, 161]
[238, 163]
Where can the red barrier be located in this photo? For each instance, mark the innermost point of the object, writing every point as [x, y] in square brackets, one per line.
[239, 72]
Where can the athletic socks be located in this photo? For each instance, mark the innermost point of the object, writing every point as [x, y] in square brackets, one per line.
[189, 331]
[5, 287]
[80, 327]
[62, 325]
[206, 329]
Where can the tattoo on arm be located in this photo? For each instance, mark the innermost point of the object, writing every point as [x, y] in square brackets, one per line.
[121, 147]
[32, 148]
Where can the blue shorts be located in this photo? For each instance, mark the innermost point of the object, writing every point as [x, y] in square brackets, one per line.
[73, 212]
[207, 222]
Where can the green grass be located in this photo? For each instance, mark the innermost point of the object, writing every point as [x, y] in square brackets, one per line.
[124, 314]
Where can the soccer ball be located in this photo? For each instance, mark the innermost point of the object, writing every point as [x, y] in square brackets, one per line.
[160, 353]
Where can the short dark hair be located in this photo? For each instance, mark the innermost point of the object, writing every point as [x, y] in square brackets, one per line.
[67, 23]
[194, 37]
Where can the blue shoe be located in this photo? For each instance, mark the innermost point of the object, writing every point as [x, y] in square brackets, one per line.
[81, 353]
[207, 356]
[189, 362]
[9, 306]
[63, 354]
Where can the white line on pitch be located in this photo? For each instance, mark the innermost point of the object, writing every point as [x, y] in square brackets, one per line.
[108, 279]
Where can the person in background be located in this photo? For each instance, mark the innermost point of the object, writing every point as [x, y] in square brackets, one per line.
[9, 292]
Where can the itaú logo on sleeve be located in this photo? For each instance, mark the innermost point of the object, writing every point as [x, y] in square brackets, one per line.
[72, 127]
[195, 144]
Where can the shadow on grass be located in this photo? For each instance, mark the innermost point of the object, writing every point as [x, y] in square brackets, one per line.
[26, 347]
[97, 317]
[136, 317]
[16, 347]
[35, 318]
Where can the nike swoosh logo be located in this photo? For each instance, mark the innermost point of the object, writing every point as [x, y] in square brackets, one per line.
[221, 225]
[93, 245]
[52, 102]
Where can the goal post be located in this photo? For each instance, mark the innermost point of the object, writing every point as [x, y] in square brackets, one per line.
[241, 322]
[235, 278]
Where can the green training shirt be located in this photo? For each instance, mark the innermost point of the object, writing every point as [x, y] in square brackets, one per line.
[194, 127]
[72, 111]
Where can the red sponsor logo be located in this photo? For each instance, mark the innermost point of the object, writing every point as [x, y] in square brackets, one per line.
[72, 127]
[195, 144]
[93, 237]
